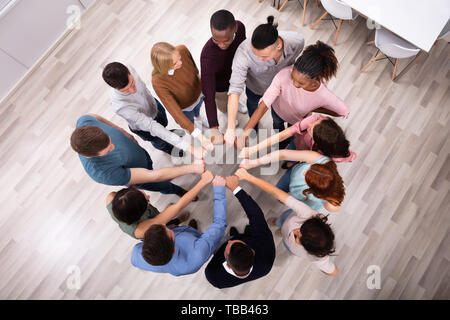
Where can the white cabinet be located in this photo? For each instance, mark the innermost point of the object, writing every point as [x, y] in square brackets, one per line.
[29, 28]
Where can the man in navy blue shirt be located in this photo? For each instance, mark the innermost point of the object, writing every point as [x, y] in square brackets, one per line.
[245, 257]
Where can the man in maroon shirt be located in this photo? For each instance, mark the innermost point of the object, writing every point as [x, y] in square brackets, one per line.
[215, 61]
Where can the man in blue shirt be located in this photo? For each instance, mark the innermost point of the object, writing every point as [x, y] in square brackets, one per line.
[182, 250]
[112, 156]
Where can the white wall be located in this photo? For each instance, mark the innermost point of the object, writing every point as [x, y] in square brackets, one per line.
[27, 30]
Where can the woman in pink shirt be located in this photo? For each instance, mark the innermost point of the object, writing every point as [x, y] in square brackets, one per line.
[298, 90]
[317, 133]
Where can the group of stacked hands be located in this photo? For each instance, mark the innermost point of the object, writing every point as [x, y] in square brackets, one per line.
[276, 72]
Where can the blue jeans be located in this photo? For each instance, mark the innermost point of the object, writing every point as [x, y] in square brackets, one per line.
[195, 112]
[157, 142]
[278, 124]
[285, 180]
[252, 102]
[165, 187]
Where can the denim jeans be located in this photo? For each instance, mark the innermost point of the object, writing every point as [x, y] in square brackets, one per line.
[157, 142]
[195, 112]
[165, 187]
[285, 180]
[252, 103]
[278, 124]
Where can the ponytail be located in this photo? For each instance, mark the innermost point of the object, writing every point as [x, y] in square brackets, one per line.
[318, 61]
[265, 34]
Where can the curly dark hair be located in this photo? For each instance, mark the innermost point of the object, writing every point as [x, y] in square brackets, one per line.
[317, 237]
[317, 61]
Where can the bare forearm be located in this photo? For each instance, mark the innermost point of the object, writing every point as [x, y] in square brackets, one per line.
[233, 105]
[142, 175]
[276, 138]
[268, 187]
[257, 115]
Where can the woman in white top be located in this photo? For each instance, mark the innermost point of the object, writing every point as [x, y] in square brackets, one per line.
[305, 232]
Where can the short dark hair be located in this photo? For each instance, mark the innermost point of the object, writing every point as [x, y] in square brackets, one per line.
[222, 20]
[317, 237]
[241, 257]
[88, 141]
[265, 34]
[116, 75]
[317, 60]
[330, 139]
[158, 247]
[128, 205]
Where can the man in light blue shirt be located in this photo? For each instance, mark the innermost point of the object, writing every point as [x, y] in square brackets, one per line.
[182, 250]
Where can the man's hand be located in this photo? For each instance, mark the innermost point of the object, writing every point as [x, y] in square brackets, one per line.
[232, 182]
[198, 166]
[216, 136]
[247, 152]
[230, 136]
[242, 174]
[207, 177]
[241, 141]
[206, 143]
[218, 181]
[197, 152]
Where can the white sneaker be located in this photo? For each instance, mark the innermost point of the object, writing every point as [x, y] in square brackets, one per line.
[242, 108]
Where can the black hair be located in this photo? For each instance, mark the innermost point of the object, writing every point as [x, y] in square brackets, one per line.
[317, 237]
[317, 61]
[158, 247]
[265, 34]
[222, 20]
[241, 257]
[128, 205]
[329, 139]
[116, 75]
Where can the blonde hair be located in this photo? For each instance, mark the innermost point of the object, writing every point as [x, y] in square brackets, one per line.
[161, 57]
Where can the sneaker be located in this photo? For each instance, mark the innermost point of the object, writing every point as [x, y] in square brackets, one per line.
[179, 132]
[233, 231]
[242, 108]
[193, 224]
[183, 192]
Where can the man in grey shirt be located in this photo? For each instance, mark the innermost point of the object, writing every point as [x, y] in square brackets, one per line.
[255, 64]
[146, 117]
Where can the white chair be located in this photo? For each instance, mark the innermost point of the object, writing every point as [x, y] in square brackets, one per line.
[445, 33]
[305, 2]
[392, 46]
[336, 9]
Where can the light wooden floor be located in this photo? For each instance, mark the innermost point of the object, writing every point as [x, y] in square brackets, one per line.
[396, 213]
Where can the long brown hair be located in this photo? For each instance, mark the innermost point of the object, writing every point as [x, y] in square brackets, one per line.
[325, 183]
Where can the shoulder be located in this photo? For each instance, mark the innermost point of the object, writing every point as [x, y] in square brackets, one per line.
[86, 120]
[323, 160]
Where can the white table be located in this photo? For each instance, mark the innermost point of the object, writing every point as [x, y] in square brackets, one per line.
[417, 21]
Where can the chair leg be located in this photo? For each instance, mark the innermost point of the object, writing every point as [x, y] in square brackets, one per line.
[337, 32]
[371, 61]
[304, 12]
[317, 3]
[395, 69]
[318, 20]
[349, 22]
[282, 6]
[370, 42]
[259, 1]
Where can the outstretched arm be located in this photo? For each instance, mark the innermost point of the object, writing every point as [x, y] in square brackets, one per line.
[142, 175]
[291, 155]
[263, 185]
[173, 210]
[276, 138]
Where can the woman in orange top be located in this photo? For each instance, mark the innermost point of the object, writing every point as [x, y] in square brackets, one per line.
[176, 81]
